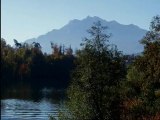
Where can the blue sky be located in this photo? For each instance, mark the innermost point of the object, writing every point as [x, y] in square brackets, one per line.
[24, 19]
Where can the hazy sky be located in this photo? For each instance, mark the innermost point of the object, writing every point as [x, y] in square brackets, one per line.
[24, 19]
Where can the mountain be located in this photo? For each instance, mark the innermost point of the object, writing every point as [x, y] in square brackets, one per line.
[126, 37]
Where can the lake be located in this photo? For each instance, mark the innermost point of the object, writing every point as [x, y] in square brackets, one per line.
[29, 106]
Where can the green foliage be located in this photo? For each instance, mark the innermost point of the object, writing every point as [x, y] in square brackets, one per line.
[143, 78]
[7, 64]
[26, 64]
[93, 94]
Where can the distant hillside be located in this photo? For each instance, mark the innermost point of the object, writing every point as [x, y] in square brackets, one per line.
[126, 37]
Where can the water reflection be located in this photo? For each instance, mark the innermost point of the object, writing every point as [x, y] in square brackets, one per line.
[30, 105]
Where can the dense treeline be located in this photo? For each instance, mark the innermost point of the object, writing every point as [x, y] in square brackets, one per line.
[25, 64]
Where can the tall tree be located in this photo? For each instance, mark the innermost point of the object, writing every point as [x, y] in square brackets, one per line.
[143, 78]
[93, 93]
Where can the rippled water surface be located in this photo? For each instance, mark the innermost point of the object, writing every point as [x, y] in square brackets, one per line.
[28, 109]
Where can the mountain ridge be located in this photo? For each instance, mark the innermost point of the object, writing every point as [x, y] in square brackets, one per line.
[126, 37]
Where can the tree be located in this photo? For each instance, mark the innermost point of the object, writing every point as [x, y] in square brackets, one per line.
[93, 93]
[143, 78]
[154, 34]
[69, 51]
[7, 64]
[36, 45]
[36, 48]
[17, 44]
[57, 50]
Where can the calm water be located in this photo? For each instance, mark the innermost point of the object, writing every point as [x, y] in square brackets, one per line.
[28, 108]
